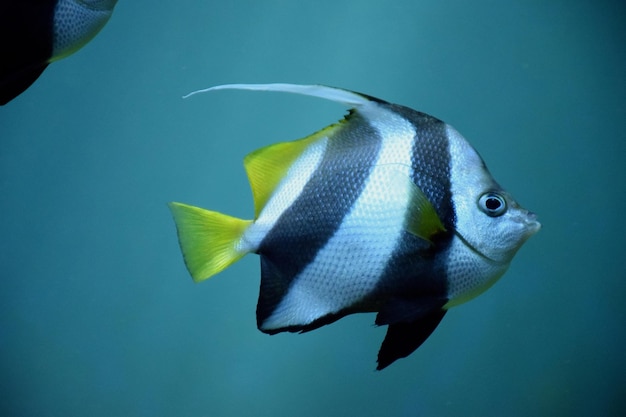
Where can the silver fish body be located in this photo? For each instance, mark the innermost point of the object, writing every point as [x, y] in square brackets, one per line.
[388, 211]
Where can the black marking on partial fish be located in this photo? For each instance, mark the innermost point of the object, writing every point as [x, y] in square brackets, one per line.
[26, 30]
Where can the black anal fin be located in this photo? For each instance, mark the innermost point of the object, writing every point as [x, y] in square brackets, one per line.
[403, 338]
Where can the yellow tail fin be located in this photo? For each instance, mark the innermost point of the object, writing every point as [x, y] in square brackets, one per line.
[207, 239]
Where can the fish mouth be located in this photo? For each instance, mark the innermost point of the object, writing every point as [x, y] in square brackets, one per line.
[530, 223]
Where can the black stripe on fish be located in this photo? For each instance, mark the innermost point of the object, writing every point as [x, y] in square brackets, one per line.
[430, 161]
[413, 288]
[315, 216]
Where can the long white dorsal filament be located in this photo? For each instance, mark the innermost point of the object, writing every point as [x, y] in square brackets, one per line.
[338, 95]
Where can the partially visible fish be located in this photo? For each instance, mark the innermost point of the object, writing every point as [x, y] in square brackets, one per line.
[35, 33]
[388, 211]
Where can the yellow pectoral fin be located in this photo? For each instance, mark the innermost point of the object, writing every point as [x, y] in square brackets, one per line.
[422, 219]
[266, 167]
[208, 239]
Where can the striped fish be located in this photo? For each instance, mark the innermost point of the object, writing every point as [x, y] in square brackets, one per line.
[389, 211]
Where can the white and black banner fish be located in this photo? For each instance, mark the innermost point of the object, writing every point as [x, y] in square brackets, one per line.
[389, 211]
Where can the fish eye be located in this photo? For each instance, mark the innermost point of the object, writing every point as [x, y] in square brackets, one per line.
[492, 204]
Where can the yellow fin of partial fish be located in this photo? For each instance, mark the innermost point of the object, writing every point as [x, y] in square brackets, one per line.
[266, 167]
[208, 239]
[422, 219]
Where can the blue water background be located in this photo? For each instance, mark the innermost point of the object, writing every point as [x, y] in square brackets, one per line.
[98, 316]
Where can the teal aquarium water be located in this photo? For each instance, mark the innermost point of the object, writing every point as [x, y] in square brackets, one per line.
[98, 315]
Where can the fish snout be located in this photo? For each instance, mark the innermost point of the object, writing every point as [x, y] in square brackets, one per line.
[530, 222]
